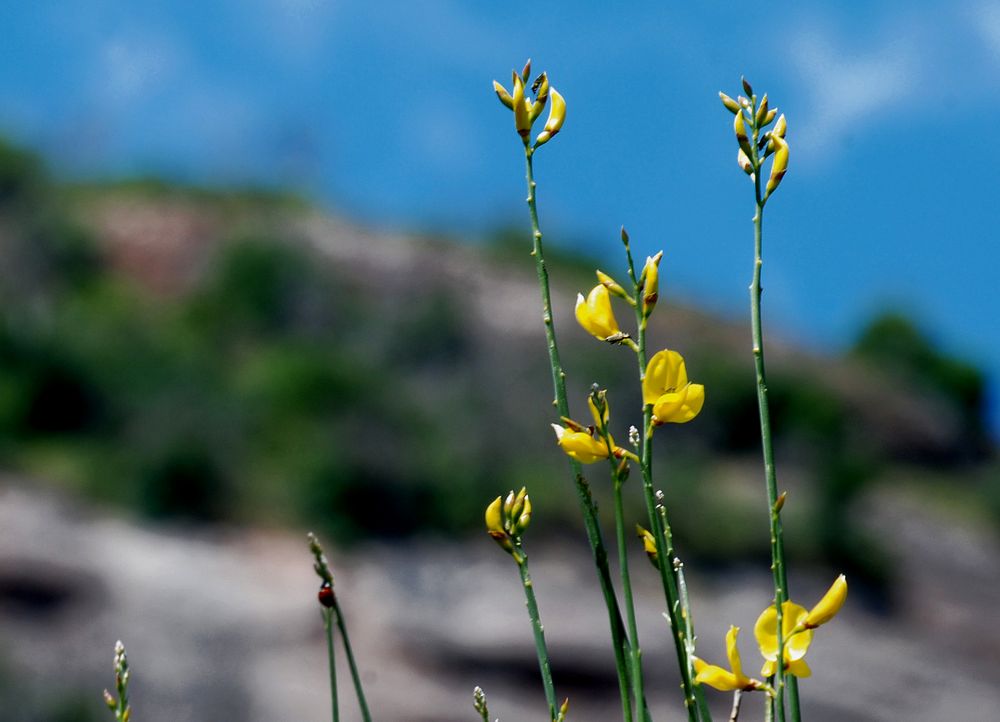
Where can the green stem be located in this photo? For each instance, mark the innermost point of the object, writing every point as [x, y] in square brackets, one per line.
[636, 657]
[774, 513]
[619, 639]
[355, 677]
[539, 631]
[659, 525]
[328, 625]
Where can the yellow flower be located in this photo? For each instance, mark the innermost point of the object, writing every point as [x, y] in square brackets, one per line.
[666, 387]
[827, 607]
[557, 116]
[595, 313]
[766, 632]
[648, 544]
[650, 281]
[726, 680]
[587, 445]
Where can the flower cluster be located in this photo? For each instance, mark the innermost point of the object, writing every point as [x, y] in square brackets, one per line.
[796, 635]
[507, 518]
[751, 118]
[526, 111]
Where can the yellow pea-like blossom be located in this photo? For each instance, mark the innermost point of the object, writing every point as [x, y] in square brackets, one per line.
[740, 128]
[557, 115]
[827, 607]
[648, 544]
[666, 387]
[595, 313]
[580, 445]
[587, 444]
[780, 165]
[726, 680]
[522, 109]
[650, 281]
[765, 630]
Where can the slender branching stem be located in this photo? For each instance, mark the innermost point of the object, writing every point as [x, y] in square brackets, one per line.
[774, 511]
[658, 524]
[539, 631]
[636, 656]
[355, 677]
[331, 657]
[619, 639]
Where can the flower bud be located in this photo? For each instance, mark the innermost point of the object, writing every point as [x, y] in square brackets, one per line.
[648, 544]
[557, 114]
[739, 126]
[650, 282]
[744, 162]
[611, 284]
[731, 105]
[494, 521]
[526, 72]
[761, 112]
[109, 700]
[522, 121]
[780, 127]
[503, 95]
[780, 164]
[747, 88]
[769, 117]
[541, 89]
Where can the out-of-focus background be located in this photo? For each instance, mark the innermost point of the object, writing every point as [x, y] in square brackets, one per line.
[264, 269]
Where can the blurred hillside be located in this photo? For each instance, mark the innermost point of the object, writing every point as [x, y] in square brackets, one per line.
[243, 356]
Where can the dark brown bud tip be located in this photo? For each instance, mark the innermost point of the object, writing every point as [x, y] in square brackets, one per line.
[325, 596]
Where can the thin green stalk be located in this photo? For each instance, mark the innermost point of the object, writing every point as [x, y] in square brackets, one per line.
[539, 631]
[355, 677]
[328, 626]
[658, 525]
[619, 639]
[774, 511]
[636, 656]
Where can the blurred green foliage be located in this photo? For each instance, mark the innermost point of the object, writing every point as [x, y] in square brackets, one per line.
[282, 388]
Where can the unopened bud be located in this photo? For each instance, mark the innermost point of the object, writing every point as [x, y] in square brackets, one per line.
[731, 105]
[541, 90]
[779, 503]
[744, 162]
[503, 95]
[780, 164]
[769, 117]
[740, 128]
[747, 88]
[526, 72]
[761, 112]
[611, 284]
[557, 115]
[522, 121]
[109, 700]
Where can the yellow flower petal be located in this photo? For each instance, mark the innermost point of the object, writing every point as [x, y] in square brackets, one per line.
[719, 678]
[769, 668]
[799, 668]
[664, 372]
[493, 520]
[827, 607]
[679, 407]
[733, 652]
[595, 313]
[580, 445]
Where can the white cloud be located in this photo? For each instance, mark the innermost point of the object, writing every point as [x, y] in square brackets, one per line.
[845, 87]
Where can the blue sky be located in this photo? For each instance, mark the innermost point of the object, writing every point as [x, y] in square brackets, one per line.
[384, 111]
